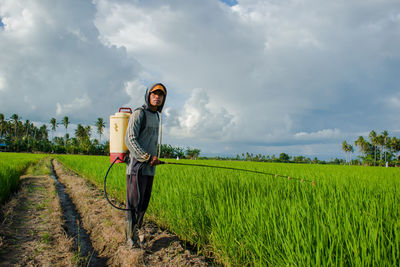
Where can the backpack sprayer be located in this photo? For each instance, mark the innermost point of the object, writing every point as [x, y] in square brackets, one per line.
[119, 151]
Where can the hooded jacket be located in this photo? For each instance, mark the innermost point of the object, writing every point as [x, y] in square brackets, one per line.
[142, 142]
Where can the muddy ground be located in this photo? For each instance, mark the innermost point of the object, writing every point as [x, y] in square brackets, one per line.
[36, 229]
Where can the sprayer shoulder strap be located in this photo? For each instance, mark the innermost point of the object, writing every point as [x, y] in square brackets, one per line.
[143, 122]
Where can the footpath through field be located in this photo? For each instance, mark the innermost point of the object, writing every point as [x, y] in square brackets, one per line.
[35, 228]
[31, 232]
[107, 230]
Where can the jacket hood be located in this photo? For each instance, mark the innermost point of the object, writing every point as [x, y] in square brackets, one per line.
[147, 97]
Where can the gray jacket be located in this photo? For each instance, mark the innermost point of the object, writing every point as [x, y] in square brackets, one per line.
[142, 142]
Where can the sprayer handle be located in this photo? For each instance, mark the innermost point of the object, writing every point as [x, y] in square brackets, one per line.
[125, 108]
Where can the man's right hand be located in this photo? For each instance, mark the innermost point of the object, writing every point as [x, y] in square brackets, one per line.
[154, 161]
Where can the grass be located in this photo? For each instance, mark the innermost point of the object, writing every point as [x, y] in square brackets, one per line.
[12, 166]
[349, 218]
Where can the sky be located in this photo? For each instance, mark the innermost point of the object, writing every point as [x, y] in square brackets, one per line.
[257, 76]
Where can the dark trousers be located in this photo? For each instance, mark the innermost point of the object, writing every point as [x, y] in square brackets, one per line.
[137, 199]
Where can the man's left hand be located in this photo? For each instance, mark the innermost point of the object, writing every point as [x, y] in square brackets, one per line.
[154, 161]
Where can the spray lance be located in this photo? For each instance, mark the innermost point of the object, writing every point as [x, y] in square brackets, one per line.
[119, 152]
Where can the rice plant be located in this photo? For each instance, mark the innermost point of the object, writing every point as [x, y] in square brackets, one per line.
[350, 216]
[12, 166]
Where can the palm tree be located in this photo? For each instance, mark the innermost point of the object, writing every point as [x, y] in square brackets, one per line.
[360, 143]
[65, 122]
[385, 135]
[395, 146]
[350, 149]
[363, 144]
[100, 127]
[88, 130]
[43, 132]
[15, 118]
[80, 133]
[372, 138]
[380, 143]
[53, 123]
[345, 148]
[1, 124]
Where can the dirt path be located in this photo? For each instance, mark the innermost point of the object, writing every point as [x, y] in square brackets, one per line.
[106, 225]
[31, 232]
[65, 221]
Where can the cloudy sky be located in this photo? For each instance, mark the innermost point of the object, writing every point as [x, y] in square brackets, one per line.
[260, 76]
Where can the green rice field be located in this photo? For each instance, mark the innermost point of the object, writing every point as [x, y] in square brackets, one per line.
[351, 217]
[12, 166]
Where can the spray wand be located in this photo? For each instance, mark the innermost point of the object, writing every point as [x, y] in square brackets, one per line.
[239, 169]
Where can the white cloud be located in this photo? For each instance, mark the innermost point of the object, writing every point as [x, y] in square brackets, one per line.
[78, 104]
[321, 135]
[3, 83]
[199, 120]
[271, 73]
[55, 58]
[394, 102]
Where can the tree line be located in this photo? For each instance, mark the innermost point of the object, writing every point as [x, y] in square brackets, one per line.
[282, 158]
[376, 150]
[19, 136]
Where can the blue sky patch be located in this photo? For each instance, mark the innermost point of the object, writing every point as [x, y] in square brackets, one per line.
[229, 2]
[1, 23]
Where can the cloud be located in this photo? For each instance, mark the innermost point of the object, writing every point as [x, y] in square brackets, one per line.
[198, 120]
[393, 102]
[81, 103]
[3, 83]
[251, 76]
[55, 59]
[325, 134]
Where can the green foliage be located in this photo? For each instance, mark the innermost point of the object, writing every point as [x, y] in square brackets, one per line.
[349, 218]
[12, 166]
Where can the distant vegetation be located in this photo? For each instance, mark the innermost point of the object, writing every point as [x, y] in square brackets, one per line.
[19, 136]
[378, 149]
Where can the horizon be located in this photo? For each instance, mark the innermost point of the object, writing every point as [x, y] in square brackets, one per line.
[262, 77]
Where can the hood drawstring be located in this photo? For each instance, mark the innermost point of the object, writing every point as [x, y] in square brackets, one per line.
[160, 134]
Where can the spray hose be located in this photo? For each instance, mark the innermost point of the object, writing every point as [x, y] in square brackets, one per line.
[197, 165]
[105, 189]
[238, 169]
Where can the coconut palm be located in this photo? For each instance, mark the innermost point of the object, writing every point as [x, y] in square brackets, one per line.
[360, 142]
[100, 127]
[373, 139]
[385, 135]
[15, 119]
[2, 122]
[88, 131]
[350, 149]
[65, 122]
[43, 132]
[80, 132]
[395, 146]
[345, 148]
[380, 143]
[53, 123]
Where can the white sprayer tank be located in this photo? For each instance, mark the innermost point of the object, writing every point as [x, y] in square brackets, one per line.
[118, 125]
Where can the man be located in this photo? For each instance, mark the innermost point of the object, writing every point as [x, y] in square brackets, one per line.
[142, 139]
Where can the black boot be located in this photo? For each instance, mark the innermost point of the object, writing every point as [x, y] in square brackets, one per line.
[132, 239]
[140, 219]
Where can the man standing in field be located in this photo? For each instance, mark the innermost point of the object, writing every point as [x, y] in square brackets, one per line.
[142, 139]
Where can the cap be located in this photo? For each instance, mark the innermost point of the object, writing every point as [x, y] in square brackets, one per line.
[158, 87]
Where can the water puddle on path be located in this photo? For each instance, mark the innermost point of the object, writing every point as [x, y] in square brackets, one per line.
[73, 226]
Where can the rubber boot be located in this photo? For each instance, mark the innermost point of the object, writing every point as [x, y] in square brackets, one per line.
[140, 219]
[132, 239]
